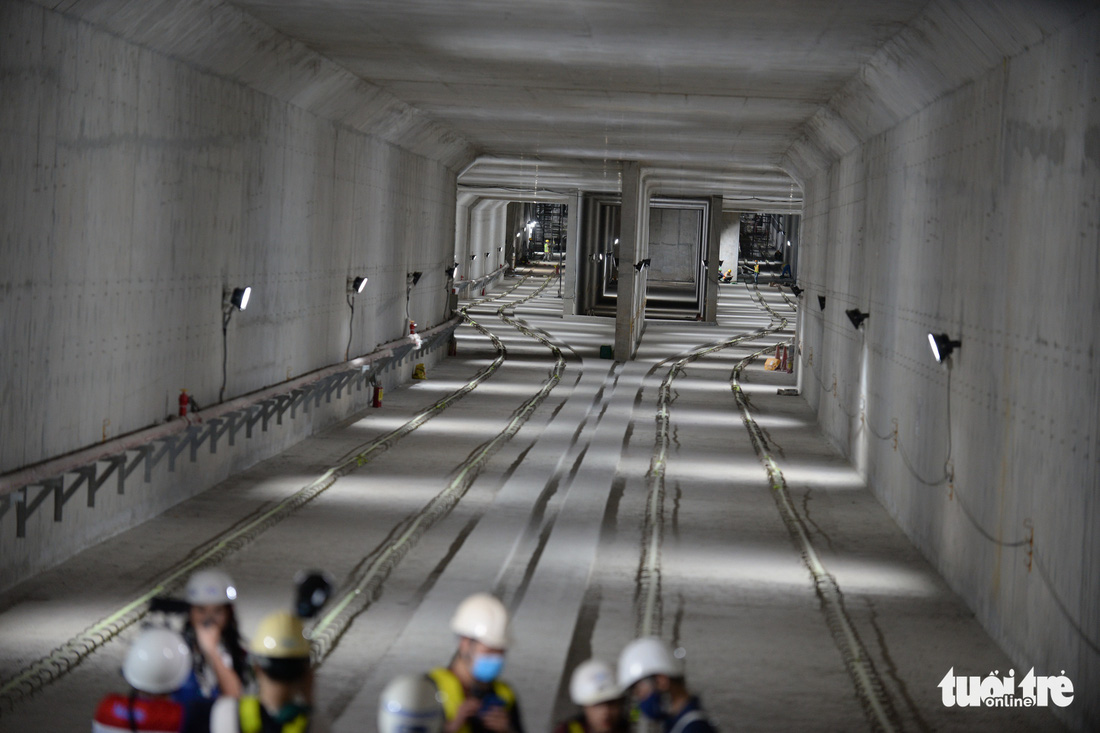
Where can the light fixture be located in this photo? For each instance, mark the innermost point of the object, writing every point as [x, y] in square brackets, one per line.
[473, 257]
[616, 240]
[500, 249]
[720, 264]
[356, 284]
[486, 255]
[942, 345]
[232, 300]
[414, 277]
[821, 301]
[797, 291]
[856, 316]
[239, 297]
[451, 270]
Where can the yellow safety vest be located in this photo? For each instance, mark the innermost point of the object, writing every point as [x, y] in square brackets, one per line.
[252, 722]
[452, 695]
[575, 727]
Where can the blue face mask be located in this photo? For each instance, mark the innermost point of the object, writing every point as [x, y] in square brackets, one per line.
[653, 706]
[487, 667]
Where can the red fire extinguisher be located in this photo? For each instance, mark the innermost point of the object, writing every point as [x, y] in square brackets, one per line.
[412, 327]
[376, 397]
[184, 402]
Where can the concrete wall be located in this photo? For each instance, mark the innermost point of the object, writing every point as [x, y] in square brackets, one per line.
[481, 227]
[137, 187]
[977, 216]
[674, 236]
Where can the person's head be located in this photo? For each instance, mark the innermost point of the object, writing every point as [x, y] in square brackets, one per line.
[409, 704]
[481, 622]
[279, 649]
[157, 663]
[211, 594]
[594, 689]
[652, 674]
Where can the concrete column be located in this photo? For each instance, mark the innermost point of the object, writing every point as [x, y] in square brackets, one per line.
[630, 304]
[730, 240]
[712, 254]
[575, 255]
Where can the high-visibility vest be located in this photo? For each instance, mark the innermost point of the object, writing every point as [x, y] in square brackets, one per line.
[249, 719]
[452, 695]
[575, 727]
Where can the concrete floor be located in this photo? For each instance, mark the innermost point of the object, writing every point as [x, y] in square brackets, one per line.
[554, 524]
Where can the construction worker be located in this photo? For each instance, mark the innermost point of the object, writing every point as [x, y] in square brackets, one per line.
[409, 704]
[756, 272]
[219, 661]
[593, 687]
[654, 677]
[156, 664]
[474, 698]
[284, 685]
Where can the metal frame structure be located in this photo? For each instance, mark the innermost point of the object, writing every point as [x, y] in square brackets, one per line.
[30, 497]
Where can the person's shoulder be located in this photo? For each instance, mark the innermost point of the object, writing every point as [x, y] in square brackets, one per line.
[700, 725]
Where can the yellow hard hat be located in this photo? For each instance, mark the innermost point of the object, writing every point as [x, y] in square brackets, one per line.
[280, 637]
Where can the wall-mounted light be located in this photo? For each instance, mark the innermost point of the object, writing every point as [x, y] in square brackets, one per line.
[232, 301]
[821, 302]
[500, 249]
[356, 284]
[473, 257]
[238, 297]
[720, 264]
[486, 255]
[942, 345]
[797, 291]
[616, 240]
[414, 277]
[451, 270]
[856, 316]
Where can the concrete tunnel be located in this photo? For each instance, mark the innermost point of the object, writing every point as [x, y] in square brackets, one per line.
[544, 200]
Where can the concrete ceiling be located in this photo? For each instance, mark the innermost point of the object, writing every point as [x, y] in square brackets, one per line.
[710, 95]
[707, 86]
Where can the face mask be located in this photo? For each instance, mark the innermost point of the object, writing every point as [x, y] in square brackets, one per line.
[487, 667]
[653, 706]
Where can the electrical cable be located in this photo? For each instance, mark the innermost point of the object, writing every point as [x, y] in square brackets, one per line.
[351, 320]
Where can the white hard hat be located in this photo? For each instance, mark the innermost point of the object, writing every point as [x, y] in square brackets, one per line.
[646, 657]
[158, 662]
[484, 618]
[409, 704]
[210, 587]
[593, 682]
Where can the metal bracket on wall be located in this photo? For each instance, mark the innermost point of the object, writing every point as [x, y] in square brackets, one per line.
[27, 499]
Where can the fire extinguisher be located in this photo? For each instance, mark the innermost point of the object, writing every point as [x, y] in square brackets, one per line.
[376, 397]
[184, 402]
[412, 327]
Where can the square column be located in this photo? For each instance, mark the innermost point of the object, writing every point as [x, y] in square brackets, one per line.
[633, 246]
[711, 255]
[573, 256]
